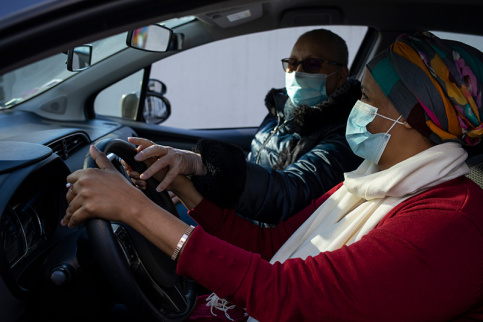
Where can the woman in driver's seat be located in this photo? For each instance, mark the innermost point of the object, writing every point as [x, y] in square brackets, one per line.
[401, 239]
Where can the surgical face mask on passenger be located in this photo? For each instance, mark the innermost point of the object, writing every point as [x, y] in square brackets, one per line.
[362, 142]
[306, 88]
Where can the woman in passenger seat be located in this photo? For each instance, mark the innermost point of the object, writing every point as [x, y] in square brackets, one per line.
[400, 239]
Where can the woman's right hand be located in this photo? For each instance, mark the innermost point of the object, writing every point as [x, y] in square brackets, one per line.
[164, 163]
[134, 176]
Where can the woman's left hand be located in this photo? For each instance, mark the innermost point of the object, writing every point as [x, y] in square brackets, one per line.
[102, 193]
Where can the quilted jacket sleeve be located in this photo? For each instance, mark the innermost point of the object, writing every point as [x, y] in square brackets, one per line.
[268, 195]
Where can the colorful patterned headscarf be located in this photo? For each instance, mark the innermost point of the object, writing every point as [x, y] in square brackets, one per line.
[435, 84]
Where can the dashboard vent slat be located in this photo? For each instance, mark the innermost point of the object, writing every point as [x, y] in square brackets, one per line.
[67, 145]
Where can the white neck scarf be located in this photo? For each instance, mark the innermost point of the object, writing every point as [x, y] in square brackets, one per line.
[366, 196]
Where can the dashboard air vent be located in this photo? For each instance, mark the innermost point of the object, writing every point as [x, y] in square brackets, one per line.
[67, 145]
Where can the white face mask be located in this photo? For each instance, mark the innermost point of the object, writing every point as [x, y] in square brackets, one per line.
[306, 88]
[362, 142]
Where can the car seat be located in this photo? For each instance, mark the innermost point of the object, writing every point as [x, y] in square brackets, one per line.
[475, 162]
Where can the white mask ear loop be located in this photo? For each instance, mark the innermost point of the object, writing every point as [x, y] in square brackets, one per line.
[328, 75]
[395, 122]
[381, 150]
[390, 119]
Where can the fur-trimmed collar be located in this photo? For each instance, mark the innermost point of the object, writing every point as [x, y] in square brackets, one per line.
[309, 119]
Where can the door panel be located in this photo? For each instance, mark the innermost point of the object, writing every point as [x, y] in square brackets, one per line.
[186, 139]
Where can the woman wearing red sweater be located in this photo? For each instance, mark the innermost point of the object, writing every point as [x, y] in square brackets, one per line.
[400, 239]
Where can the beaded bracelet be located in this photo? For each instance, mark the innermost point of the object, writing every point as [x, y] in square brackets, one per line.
[181, 242]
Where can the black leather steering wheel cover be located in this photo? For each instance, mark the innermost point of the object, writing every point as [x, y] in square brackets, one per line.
[109, 254]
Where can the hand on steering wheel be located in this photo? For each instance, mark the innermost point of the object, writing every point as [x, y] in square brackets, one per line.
[142, 276]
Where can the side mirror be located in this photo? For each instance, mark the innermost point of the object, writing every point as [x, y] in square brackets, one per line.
[79, 58]
[157, 86]
[157, 108]
[155, 38]
[129, 105]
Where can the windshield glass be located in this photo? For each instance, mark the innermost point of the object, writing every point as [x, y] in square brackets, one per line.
[28, 81]
[31, 80]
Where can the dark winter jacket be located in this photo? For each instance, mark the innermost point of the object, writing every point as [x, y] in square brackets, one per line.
[297, 155]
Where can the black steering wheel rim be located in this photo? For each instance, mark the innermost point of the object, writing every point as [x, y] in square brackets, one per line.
[154, 269]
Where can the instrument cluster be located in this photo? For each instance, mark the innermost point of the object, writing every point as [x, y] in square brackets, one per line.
[26, 223]
[21, 232]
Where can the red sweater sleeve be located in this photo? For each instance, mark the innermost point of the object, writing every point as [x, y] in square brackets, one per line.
[227, 225]
[422, 262]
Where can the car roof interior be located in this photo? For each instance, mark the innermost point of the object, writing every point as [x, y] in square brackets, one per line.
[386, 20]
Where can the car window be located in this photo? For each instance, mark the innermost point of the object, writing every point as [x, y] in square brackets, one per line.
[120, 99]
[224, 84]
[472, 40]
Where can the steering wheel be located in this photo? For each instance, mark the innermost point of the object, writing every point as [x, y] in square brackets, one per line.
[142, 276]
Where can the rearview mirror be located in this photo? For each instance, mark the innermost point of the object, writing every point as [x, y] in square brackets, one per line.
[79, 58]
[176, 42]
[154, 38]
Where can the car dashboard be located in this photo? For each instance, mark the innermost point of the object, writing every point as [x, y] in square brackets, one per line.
[34, 263]
[32, 199]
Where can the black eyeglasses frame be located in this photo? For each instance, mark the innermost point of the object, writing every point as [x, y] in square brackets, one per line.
[285, 64]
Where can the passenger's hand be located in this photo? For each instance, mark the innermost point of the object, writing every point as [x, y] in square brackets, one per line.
[103, 193]
[173, 161]
[141, 184]
[134, 175]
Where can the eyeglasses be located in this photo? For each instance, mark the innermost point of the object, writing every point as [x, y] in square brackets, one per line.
[310, 65]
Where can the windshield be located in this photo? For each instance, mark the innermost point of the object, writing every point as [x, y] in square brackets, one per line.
[31, 80]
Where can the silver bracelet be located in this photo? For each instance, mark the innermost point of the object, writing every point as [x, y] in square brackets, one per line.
[181, 242]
